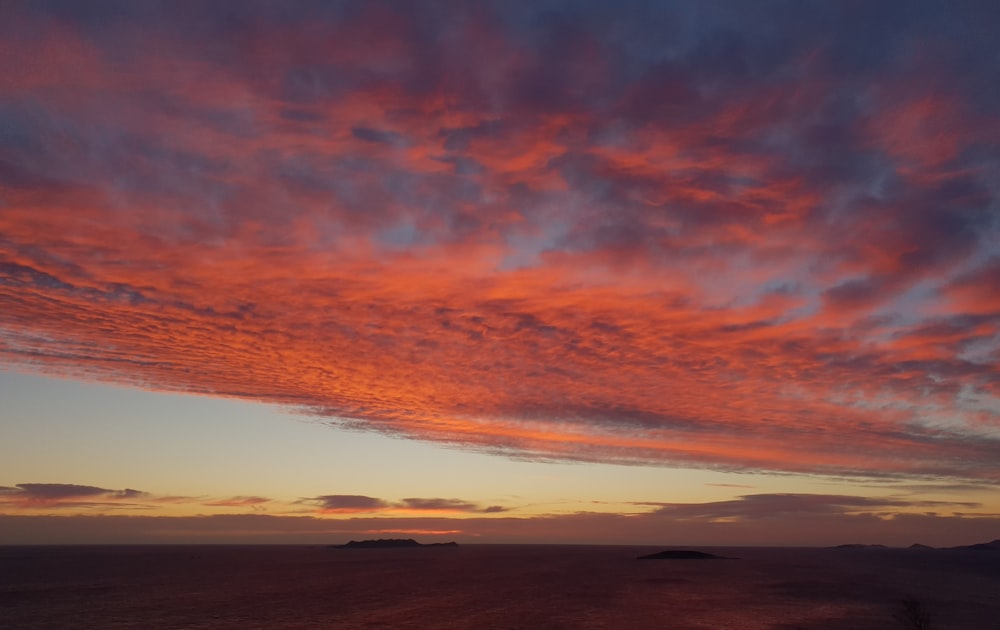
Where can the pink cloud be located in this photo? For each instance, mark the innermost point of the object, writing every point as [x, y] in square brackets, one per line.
[749, 261]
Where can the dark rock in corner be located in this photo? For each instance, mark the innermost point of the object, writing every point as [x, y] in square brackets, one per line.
[682, 554]
[390, 543]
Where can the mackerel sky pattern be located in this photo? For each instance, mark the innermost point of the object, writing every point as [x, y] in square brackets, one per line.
[747, 236]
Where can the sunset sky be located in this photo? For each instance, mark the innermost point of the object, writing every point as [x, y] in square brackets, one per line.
[500, 271]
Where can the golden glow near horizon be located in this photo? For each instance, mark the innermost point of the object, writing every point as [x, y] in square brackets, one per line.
[282, 466]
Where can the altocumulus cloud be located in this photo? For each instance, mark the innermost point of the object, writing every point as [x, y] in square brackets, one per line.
[763, 237]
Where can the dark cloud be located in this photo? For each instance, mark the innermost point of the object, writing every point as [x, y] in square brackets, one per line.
[378, 136]
[854, 293]
[349, 503]
[68, 495]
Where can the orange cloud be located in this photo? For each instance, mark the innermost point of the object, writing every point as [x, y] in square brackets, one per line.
[695, 262]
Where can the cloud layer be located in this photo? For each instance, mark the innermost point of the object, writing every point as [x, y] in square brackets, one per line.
[746, 237]
[815, 520]
[39, 498]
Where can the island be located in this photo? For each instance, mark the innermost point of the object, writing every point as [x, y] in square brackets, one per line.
[993, 545]
[390, 543]
[987, 546]
[682, 554]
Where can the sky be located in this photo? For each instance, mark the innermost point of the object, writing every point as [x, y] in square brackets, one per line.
[500, 272]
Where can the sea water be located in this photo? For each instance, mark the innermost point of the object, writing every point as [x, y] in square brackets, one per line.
[491, 586]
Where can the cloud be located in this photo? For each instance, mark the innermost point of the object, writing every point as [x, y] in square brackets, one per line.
[781, 506]
[35, 497]
[67, 495]
[749, 239]
[376, 135]
[803, 524]
[238, 502]
[344, 504]
[447, 505]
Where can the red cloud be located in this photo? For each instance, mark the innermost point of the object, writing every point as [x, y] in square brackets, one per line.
[684, 263]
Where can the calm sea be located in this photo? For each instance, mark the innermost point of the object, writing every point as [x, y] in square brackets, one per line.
[490, 586]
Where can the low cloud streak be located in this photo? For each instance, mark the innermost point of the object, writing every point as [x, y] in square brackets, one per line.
[347, 504]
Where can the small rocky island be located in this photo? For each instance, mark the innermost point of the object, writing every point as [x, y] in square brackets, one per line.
[682, 554]
[390, 543]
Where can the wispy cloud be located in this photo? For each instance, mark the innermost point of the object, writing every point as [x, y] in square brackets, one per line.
[68, 495]
[781, 506]
[447, 505]
[238, 502]
[39, 497]
[590, 234]
[347, 504]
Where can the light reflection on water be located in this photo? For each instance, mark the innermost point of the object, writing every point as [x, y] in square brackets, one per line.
[489, 587]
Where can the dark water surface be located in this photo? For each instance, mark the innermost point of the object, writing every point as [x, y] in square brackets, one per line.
[490, 586]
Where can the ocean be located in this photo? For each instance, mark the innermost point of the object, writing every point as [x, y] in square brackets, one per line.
[492, 586]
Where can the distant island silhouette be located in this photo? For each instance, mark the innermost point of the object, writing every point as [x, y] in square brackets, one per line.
[993, 545]
[390, 543]
[682, 554]
[988, 546]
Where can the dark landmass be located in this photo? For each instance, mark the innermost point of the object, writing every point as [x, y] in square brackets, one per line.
[682, 554]
[390, 543]
[990, 546]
